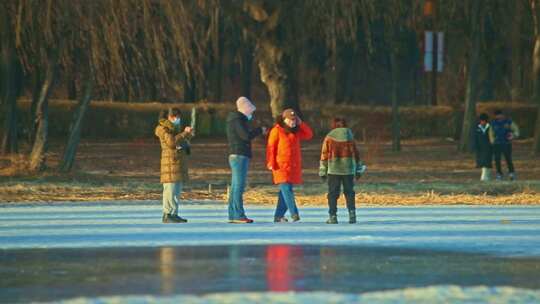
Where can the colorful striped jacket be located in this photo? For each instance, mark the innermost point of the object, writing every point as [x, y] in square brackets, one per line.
[339, 155]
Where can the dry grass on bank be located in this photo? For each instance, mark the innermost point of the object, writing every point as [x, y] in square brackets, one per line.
[496, 193]
[426, 172]
[401, 199]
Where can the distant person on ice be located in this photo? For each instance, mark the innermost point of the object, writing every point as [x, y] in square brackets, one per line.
[340, 164]
[240, 135]
[501, 134]
[284, 159]
[174, 169]
[483, 148]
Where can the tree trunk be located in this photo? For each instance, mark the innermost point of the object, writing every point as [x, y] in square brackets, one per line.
[277, 73]
[469, 116]
[536, 142]
[535, 5]
[246, 66]
[75, 129]
[331, 67]
[217, 48]
[517, 65]
[72, 89]
[8, 86]
[347, 67]
[340, 67]
[36, 89]
[39, 149]
[396, 136]
[190, 89]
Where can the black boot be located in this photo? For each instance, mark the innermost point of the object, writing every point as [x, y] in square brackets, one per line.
[332, 219]
[172, 218]
[180, 219]
[352, 216]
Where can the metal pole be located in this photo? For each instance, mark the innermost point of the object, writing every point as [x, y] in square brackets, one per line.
[435, 69]
[430, 17]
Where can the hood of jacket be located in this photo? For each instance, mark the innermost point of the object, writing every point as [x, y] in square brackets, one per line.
[341, 134]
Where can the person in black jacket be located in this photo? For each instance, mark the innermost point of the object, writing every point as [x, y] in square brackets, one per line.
[240, 135]
[483, 147]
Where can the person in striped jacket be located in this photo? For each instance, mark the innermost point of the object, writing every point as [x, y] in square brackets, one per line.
[340, 164]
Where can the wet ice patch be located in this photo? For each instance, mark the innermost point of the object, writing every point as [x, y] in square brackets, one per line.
[432, 294]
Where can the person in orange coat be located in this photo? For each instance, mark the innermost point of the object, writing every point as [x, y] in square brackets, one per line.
[283, 157]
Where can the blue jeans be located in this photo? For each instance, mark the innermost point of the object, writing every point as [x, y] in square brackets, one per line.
[239, 166]
[171, 197]
[286, 201]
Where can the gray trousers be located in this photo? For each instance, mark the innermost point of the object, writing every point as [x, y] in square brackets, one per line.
[171, 197]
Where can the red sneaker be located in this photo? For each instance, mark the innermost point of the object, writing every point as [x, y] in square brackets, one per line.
[241, 221]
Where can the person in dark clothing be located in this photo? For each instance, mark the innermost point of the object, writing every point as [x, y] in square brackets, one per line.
[340, 164]
[483, 148]
[240, 135]
[502, 131]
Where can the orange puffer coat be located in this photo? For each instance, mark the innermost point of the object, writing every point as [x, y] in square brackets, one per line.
[283, 155]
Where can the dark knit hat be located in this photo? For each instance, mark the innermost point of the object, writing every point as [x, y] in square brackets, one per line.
[289, 114]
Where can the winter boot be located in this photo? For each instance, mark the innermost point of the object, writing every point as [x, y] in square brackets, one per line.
[180, 219]
[172, 218]
[280, 219]
[295, 217]
[332, 219]
[486, 174]
[352, 216]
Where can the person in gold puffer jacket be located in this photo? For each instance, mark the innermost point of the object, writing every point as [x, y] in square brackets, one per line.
[174, 171]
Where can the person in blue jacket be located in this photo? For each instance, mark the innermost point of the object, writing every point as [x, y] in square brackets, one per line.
[503, 130]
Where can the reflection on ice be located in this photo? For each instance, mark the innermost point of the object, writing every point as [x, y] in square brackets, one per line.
[284, 264]
[166, 267]
[53, 274]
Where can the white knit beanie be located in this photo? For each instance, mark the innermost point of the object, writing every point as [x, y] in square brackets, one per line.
[245, 106]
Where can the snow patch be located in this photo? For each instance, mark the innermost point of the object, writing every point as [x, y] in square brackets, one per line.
[431, 294]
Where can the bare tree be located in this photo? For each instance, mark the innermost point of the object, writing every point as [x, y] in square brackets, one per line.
[266, 21]
[74, 137]
[8, 74]
[41, 142]
[396, 19]
[473, 66]
[535, 8]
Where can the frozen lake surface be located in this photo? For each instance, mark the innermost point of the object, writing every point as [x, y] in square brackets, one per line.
[497, 230]
[121, 253]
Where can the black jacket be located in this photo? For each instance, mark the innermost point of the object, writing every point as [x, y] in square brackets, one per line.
[482, 147]
[239, 134]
